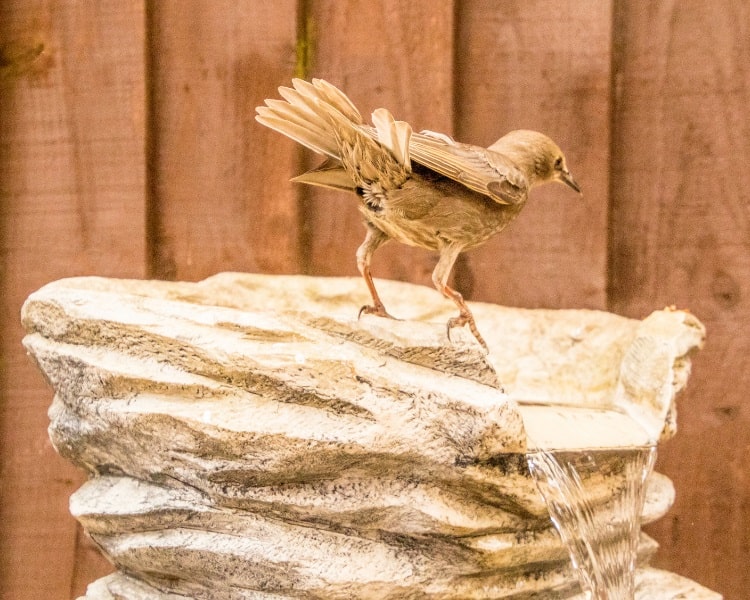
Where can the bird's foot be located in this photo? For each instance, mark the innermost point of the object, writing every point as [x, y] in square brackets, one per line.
[466, 318]
[377, 310]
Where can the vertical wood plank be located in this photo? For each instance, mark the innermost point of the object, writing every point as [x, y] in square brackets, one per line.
[220, 191]
[680, 234]
[544, 65]
[388, 54]
[72, 167]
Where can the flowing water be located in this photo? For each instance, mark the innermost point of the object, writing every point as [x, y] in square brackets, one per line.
[601, 536]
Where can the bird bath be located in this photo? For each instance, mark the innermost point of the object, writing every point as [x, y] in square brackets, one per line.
[247, 437]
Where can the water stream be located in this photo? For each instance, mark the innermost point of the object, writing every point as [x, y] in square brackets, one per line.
[595, 499]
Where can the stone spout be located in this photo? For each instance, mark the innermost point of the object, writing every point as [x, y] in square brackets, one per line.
[247, 437]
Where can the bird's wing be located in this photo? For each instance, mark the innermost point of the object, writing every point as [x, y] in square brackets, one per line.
[479, 169]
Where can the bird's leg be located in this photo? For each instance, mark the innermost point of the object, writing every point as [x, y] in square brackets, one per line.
[440, 276]
[464, 316]
[373, 240]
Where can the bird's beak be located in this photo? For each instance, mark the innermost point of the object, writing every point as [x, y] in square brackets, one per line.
[567, 178]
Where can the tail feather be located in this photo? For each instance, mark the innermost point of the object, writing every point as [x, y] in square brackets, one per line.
[308, 107]
[299, 133]
[331, 174]
[322, 118]
[336, 98]
[302, 119]
[299, 115]
[307, 112]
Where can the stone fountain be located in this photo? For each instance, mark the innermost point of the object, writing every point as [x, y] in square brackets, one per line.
[247, 437]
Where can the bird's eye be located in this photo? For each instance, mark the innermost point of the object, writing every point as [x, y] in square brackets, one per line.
[558, 162]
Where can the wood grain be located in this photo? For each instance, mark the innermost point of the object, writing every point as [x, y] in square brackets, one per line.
[391, 54]
[219, 181]
[541, 65]
[680, 234]
[71, 202]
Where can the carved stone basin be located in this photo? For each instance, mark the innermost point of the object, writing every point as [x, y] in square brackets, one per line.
[247, 437]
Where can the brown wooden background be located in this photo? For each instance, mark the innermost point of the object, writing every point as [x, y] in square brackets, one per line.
[128, 148]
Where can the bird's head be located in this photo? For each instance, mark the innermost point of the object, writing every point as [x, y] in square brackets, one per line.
[537, 155]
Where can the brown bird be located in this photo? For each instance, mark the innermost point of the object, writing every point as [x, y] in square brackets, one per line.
[421, 189]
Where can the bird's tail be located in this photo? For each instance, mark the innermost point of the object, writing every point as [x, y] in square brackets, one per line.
[318, 115]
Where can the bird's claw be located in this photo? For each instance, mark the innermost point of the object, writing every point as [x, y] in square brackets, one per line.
[377, 310]
[460, 321]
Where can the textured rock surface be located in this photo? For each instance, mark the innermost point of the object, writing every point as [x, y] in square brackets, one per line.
[247, 437]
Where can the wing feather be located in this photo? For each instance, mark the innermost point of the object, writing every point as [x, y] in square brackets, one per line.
[394, 135]
[477, 168]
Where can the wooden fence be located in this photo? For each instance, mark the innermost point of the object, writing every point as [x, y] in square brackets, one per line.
[128, 148]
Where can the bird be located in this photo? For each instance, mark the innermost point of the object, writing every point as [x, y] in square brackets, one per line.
[423, 188]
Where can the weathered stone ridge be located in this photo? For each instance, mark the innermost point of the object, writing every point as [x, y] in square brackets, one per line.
[248, 437]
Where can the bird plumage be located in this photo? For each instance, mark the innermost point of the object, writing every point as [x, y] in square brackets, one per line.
[422, 189]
